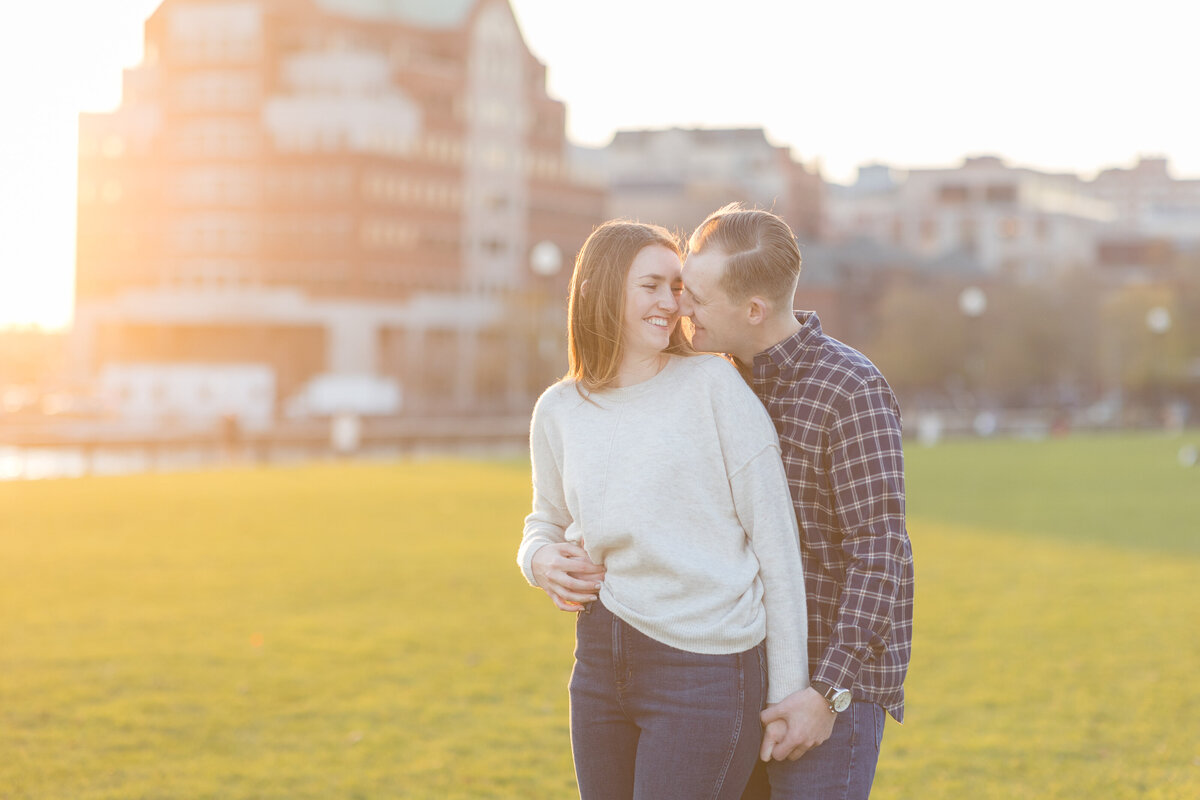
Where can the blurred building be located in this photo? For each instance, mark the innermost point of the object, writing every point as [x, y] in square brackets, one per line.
[1151, 203]
[340, 190]
[1157, 222]
[678, 176]
[1001, 220]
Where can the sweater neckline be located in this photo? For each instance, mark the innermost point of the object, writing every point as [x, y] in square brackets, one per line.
[622, 394]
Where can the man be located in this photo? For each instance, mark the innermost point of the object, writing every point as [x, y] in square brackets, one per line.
[839, 431]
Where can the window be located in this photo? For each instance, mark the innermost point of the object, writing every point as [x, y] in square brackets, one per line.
[928, 231]
[1001, 193]
[953, 193]
[218, 90]
[216, 138]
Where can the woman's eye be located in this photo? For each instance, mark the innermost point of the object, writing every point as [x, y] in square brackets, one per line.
[676, 290]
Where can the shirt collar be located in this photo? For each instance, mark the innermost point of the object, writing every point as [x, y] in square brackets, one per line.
[789, 354]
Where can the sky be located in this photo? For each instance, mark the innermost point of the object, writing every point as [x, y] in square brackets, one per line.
[1057, 85]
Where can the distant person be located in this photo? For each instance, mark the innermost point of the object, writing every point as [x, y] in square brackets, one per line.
[839, 429]
[661, 513]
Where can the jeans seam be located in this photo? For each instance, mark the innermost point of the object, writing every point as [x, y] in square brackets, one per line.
[850, 760]
[620, 672]
[737, 727]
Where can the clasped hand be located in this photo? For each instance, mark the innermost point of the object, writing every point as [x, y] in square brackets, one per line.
[795, 725]
[567, 575]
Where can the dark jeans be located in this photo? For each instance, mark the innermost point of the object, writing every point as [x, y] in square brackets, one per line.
[651, 722]
[841, 768]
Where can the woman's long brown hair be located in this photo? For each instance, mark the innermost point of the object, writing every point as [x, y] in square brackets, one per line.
[595, 315]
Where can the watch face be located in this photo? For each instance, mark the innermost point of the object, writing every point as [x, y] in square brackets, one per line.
[840, 700]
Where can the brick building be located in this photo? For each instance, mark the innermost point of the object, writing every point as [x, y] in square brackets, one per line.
[334, 189]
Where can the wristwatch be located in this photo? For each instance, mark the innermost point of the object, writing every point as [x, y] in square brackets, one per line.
[838, 699]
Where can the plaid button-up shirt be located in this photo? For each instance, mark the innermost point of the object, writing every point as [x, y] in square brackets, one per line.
[839, 432]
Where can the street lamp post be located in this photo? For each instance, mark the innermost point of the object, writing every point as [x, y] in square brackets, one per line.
[1158, 322]
[972, 302]
[545, 262]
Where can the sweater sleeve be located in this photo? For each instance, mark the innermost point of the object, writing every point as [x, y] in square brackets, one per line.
[764, 507]
[549, 519]
[763, 502]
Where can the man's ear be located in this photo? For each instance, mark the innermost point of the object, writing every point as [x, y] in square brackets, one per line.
[757, 310]
[583, 289]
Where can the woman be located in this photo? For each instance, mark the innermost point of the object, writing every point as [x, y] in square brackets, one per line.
[663, 468]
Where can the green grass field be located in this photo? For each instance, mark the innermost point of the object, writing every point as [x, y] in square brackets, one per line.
[361, 631]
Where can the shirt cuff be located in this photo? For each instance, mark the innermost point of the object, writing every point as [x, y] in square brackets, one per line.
[838, 668]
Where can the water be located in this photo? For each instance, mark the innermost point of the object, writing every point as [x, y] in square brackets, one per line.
[45, 463]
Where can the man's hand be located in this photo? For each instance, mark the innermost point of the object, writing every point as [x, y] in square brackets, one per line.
[809, 723]
[567, 575]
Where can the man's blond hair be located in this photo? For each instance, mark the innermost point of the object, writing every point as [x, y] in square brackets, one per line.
[762, 255]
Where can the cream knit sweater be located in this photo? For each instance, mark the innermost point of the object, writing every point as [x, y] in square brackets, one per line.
[675, 485]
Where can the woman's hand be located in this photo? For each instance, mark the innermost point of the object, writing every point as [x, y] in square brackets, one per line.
[774, 733]
[808, 722]
[567, 575]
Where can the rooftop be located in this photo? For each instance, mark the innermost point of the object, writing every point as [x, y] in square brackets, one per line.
[423, 13]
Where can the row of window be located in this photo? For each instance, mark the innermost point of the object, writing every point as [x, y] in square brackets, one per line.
[388, 235]
[214, 234]
[218, 90]
[928, 231]
[398, 188]
[219, 139]
[215, 187]
[241, 236]
[233, 139]
[951, 194]
[228, 187]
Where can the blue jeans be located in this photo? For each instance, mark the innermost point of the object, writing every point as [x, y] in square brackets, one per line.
[651, 722]
[841, 768]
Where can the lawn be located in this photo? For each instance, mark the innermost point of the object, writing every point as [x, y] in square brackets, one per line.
[361, 631]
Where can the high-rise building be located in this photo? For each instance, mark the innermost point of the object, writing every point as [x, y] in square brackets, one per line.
[342, 190]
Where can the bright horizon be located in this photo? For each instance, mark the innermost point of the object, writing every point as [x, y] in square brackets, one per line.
[1065, 86]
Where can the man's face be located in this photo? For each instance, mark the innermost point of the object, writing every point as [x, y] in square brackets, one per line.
[718, 325]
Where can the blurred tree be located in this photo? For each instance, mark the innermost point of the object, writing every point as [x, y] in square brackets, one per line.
[920, 339]
[1038, 345]
[1028, 346]
[1145, 341]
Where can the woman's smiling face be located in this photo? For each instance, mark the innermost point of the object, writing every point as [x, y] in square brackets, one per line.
[651, 301]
